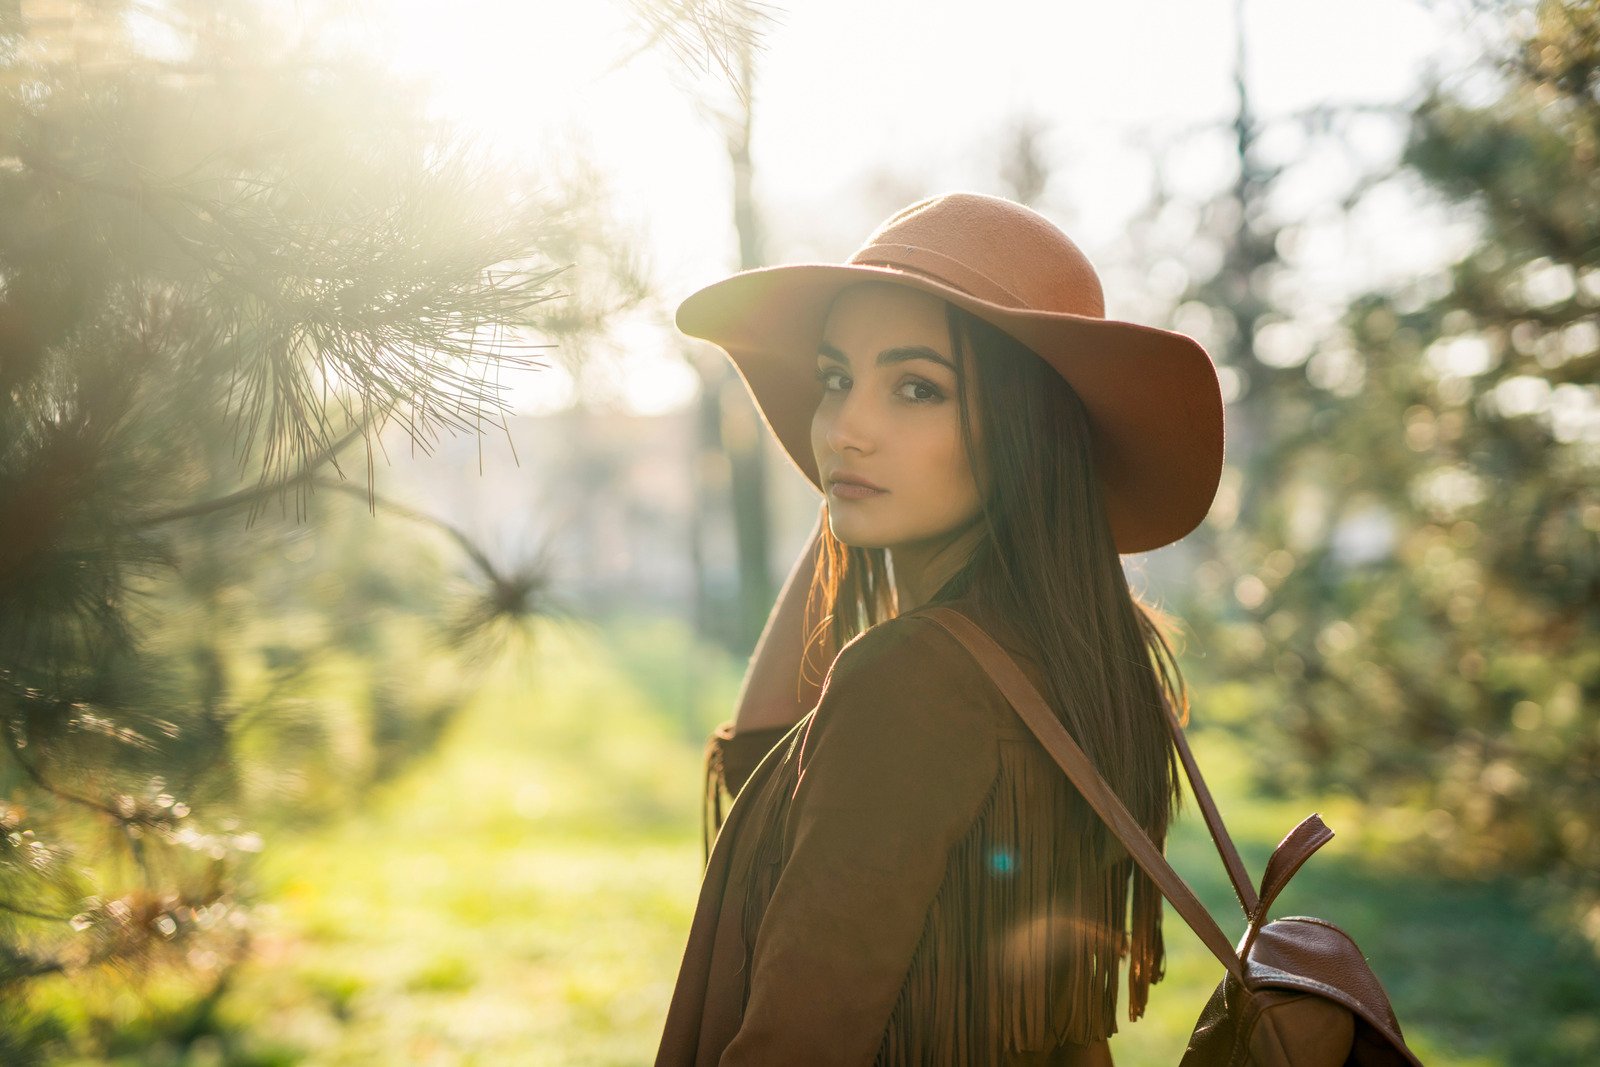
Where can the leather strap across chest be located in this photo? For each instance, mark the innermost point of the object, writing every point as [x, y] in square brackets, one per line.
[1033, 710]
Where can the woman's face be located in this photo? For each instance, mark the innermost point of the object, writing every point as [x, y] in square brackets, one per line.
[888, 416]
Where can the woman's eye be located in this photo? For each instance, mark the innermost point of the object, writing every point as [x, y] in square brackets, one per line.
[826, 374]
[921, 392]
[914, 390]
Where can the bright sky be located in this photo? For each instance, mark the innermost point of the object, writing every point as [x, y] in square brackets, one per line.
[915, 92]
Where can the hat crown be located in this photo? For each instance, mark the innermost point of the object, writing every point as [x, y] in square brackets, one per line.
[994, 249]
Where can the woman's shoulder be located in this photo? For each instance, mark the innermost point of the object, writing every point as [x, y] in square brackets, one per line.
[905, 646]
[902, 703]
[911, 667]
[918, 636]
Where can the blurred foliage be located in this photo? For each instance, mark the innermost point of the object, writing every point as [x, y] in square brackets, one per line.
[230, 249]
[227, 255]
[453, 916]
[1416, 586]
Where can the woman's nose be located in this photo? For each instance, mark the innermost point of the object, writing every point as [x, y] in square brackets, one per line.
[849, 425]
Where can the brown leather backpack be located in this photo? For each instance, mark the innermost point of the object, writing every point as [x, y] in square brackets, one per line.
[1298, 991]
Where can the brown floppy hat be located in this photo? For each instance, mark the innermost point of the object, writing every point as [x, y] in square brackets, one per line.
[1154, 404]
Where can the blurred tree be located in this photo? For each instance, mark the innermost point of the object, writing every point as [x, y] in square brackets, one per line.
[740, 426]
[1024, 163]
[227, 254]
[222, 257]
[732, 464]
[1410, 542]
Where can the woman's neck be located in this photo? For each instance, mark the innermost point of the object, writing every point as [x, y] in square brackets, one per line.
[921, 568]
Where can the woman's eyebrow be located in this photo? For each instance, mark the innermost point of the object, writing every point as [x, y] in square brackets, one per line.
[901, 354]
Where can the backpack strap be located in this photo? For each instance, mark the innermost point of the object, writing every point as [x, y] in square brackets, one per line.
[1243, 889]
[1219, 833]
[1033, 710]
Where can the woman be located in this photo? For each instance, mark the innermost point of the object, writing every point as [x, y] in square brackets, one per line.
[906, 877]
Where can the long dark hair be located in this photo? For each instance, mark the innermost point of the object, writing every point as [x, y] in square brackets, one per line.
[1048, 563]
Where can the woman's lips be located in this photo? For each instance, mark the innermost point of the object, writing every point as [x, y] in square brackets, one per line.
[852, 491]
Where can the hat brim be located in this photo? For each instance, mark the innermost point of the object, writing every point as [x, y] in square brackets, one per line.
[1154, 402]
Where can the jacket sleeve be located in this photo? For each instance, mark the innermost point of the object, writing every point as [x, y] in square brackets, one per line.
[736, 754]
[730, 758]
[894, 767]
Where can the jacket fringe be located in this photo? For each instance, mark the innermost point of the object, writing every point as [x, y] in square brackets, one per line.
[766, 864]
[1022, 943]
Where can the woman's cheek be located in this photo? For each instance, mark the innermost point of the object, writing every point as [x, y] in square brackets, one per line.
[819, 434]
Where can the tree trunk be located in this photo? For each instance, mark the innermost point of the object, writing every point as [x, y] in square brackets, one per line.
[732, 464]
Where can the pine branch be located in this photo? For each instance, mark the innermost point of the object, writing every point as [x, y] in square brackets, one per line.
[16, 968]
[344, 293]
[465, 543]
[252, 494]
[704, 33]
[14, 747]
[17, 909]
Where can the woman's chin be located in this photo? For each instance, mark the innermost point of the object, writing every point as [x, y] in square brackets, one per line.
[853, 535]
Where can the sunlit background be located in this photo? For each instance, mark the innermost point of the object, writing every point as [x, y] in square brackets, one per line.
[376, 557]
[861, 106]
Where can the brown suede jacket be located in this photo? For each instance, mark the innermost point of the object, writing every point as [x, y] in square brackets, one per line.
[892, 884]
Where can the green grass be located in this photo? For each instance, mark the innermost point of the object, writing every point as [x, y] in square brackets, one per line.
[523, 898]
